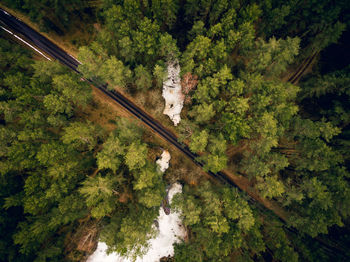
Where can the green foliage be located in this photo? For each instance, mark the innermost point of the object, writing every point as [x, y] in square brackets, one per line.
[146, 177]
[96, 64]
[159, 74]
[165, 12]
[270, 187]
[135, 157]
[319, 23]
[114, 72]
[143, 79]
[214, 162]
[73, 89]
[219, 218]
[197, 50]
[336, 82]
[272, 58]
[134, 178]
[128, 232]
[241, 97]
[128, 131]
[291, 142]
[279, 243]
[47, 155]
[197, 29]
[144, 39]
[92, 59]
[57, 104]
[152, 196]
[109, 156]
[81, 136]
[203, 113]
[140, 28]
[99, 195]
[51, 164]
[42, 172]
[199, 141]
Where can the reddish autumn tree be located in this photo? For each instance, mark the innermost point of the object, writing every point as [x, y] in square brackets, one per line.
[188, 83]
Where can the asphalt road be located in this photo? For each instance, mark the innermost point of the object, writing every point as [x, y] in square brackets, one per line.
[43, 44]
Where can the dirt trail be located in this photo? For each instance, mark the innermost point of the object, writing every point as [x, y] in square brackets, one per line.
[304, 68]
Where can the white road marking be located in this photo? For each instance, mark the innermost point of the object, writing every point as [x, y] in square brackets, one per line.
[75, 58]
[8, 31]
[5, 12]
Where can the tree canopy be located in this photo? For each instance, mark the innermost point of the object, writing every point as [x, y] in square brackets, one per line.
[266, 98]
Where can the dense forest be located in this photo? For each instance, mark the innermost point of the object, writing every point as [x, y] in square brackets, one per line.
[267, 87]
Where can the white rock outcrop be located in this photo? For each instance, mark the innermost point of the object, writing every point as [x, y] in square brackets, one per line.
[163, 161]
[171, 231]
[172, 93]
